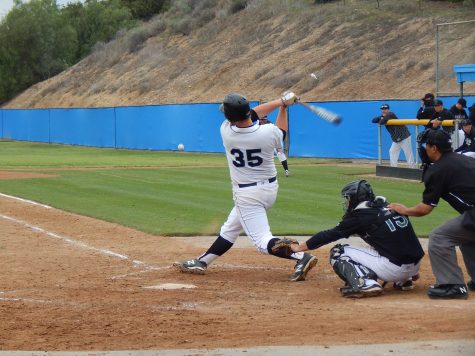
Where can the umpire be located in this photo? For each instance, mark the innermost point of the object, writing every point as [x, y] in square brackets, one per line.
[449, 176]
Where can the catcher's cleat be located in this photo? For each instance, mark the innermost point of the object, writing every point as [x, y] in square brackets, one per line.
[191, 266]
[408, 285]
[302, 267]
[367, 291]
[471, 285]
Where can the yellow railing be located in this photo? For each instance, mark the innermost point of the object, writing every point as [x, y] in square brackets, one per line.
[416, 123]
[401, 122]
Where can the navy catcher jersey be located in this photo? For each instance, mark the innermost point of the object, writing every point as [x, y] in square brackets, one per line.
[387, 232]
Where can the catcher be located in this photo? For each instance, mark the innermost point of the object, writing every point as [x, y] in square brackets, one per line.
[395, 253]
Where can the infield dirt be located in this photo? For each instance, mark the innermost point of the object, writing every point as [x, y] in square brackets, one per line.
[70, 282]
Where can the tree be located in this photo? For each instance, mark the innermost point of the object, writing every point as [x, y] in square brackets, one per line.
[36, 43]
[144, 9]
[96, 21]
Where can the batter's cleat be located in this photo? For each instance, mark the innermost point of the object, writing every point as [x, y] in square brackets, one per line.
[364, 292]
[191, 266]
[305, 264]
[287, 173]
[471, 285]
[408, 285]
[448, 291]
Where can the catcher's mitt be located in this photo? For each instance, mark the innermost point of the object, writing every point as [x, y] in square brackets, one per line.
[283, 245]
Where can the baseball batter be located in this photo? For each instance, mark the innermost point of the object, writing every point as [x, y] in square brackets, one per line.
[249, 151]
[395, 252]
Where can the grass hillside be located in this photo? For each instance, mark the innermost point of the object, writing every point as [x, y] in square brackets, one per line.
[359, 49]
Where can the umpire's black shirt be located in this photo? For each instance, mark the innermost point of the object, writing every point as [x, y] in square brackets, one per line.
[451, 178]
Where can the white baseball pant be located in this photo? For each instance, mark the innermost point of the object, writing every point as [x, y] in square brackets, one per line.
[250, 214]
[385, 269]
[395, 149]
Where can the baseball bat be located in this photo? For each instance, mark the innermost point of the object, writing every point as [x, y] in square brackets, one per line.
[323, 113]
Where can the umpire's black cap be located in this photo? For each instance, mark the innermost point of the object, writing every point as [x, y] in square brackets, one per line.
[438, 138]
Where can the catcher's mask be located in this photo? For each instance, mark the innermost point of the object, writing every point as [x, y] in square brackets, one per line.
[439, 138]
[356, 192]
[235, 107]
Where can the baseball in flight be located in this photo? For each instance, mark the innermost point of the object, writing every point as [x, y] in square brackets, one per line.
[181, 147]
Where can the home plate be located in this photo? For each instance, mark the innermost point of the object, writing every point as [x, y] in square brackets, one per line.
[171, 286]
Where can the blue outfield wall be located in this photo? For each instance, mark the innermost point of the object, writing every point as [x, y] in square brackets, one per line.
[85, 127]
[26, 125]
[163, 127]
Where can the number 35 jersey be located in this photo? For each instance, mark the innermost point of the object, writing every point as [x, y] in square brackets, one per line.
[250, 151]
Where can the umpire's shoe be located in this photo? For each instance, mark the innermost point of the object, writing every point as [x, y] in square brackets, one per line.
[367, 291]
[302, 267]
[448, 291]
[191, 266]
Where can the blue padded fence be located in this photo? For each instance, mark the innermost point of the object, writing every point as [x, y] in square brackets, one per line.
[163, 127]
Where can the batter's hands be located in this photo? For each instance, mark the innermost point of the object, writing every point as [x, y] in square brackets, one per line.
[285, 244]
[289, 98]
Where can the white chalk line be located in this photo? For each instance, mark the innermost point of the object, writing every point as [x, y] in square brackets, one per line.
[25, 201]
[75, 243]
[46, 302]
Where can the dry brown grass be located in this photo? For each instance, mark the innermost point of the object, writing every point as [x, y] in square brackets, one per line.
[197, 54]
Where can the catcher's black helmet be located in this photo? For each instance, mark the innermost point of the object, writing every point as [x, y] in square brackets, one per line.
[235, 107]
[356, 192]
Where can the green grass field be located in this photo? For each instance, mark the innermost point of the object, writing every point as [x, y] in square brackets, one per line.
[171, 193]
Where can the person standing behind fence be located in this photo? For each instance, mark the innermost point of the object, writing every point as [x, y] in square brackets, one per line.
[471, 115]
[458, 110]
[468, 143]
[400, 136]
[439, 115]
[427, 107]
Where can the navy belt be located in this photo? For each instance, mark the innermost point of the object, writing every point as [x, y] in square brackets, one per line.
[273, 179]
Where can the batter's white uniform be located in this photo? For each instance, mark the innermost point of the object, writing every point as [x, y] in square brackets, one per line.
[250, 155]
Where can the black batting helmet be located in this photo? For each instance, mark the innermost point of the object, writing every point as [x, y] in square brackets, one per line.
[356, 192]
[235, 107]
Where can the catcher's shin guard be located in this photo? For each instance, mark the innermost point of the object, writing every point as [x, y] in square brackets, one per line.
[351, 272]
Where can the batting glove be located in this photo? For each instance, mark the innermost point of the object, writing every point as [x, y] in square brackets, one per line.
[289, 98]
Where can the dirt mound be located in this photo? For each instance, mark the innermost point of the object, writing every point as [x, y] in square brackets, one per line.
[358, 50]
